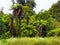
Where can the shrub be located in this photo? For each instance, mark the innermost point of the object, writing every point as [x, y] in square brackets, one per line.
[54, 32]
[28, 30]
[5, 35]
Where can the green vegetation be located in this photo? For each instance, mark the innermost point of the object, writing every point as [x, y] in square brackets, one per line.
[54, 32]
[31, 41]
[24, 24]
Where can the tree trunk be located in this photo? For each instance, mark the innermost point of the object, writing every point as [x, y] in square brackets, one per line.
[27, 21]
[13, 31]
[19, 15]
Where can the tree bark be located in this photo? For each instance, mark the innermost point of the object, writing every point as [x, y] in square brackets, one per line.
[13, 31]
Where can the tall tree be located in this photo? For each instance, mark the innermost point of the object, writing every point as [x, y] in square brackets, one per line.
[18, 10]
[11, 23]
[31, 5]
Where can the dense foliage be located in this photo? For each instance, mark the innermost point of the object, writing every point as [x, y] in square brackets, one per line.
[28, 24]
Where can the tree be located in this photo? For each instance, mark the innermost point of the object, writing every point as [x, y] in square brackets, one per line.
[55, 10]
[31, 4]
[18, 9]
[44, 22]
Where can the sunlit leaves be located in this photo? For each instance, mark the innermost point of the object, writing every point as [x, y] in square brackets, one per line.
[15, 6]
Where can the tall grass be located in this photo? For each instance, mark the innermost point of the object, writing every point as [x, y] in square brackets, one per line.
[31, 41]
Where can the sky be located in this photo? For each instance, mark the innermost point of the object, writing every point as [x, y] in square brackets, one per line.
[40, 4]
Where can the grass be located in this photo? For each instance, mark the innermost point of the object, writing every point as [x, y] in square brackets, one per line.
[31, 41]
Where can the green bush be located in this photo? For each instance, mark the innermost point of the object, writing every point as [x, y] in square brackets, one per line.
[54, 32]
[5, 35]
[28, 30]
[2, 27]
